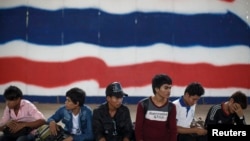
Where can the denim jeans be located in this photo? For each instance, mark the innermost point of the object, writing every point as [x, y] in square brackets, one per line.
[29, 137]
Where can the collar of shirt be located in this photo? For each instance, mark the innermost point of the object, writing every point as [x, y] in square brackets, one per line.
[183, 103]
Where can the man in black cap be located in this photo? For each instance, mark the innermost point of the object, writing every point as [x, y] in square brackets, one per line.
[112, 120]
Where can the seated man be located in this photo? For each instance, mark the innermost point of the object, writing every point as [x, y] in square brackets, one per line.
[229, 112]
[185, 114]
[75, 115]
[19, 114]
[111, 120]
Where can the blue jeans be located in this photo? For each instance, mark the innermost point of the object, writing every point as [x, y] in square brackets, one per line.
[29, 137]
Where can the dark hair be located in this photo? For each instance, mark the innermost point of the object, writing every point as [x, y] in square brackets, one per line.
[160, 79]
[241, 98]
[12, 93]
[195, 88]
[76, 95]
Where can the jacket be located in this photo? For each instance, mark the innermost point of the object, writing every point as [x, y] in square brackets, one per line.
[85, 121]
[113, 129]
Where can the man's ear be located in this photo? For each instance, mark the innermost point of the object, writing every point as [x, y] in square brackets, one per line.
[186, 94]
[157, 89]
[77, 103]
[108, 98]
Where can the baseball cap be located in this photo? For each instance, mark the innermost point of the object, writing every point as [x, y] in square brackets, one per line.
[115, 89]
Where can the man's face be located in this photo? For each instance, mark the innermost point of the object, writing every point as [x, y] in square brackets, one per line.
[164, 90]
[233, 106]
[191, 100]
[13, 103]
[69, 104]
[114, 102]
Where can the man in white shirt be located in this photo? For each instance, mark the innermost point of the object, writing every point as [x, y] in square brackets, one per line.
[185, 113]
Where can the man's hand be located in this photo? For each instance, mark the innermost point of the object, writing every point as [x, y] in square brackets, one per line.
[53, 128]
[238, 110]
[200, 131]
[15, 126]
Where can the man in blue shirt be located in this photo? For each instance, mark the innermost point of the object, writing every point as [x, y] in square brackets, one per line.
[76, 117]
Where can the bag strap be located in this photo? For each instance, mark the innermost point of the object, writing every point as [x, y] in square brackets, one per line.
[145, 103]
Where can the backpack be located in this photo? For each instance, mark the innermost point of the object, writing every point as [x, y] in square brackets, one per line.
[145, 102]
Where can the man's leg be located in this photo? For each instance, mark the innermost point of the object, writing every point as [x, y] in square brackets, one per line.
[185, 137]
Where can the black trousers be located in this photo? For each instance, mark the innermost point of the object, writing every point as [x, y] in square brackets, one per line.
[191, 137]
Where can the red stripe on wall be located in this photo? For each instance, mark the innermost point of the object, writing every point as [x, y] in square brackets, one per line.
[55, 74]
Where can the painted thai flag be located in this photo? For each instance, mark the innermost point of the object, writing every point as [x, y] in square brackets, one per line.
[47, 47]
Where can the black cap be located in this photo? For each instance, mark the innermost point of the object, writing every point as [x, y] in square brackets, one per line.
[115, 89]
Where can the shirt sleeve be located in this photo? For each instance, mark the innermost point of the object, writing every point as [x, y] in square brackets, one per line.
[88, 131]
[97, 125]
[172, 123]
[128, 124]
[210, 118]
[139, 122]
[240, 121]
[6, 116]
[57, 116]
[36, 114]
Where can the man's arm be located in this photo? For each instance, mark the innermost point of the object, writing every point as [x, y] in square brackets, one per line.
[139, 122]
[194, 130]
[211, 116]
[97, 126]
[128, 125]
[240, 113]
[88, 131]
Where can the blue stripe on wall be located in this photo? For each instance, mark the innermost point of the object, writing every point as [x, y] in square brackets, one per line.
[134, 29]
[101, 99]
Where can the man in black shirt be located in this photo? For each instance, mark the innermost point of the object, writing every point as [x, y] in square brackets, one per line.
[229, 112]
[112, 120]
